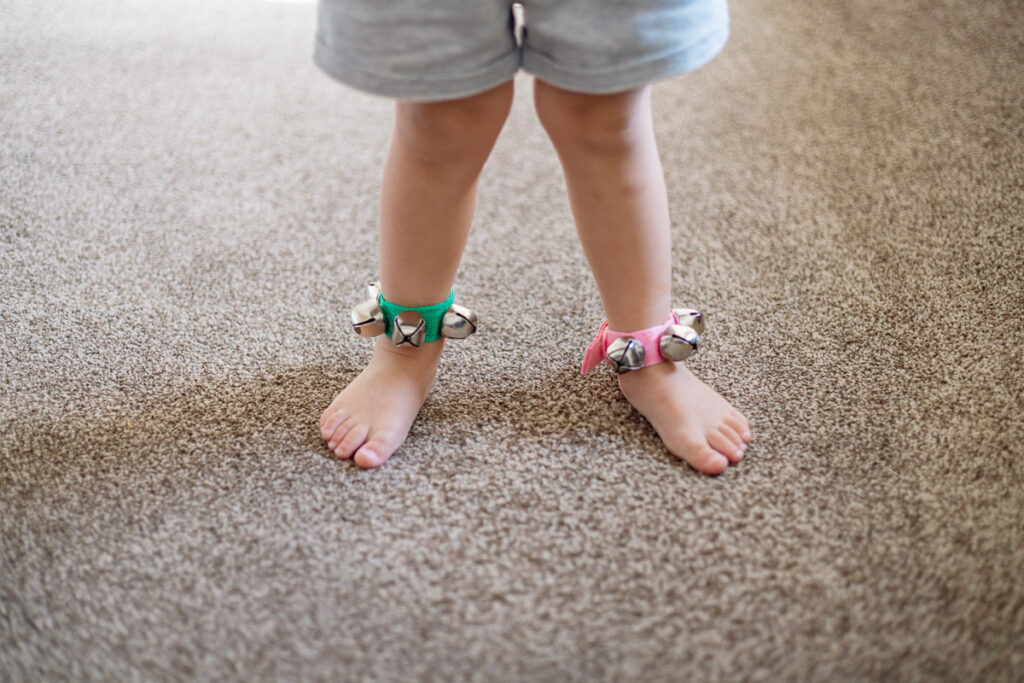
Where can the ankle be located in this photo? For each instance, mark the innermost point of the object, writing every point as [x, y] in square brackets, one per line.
[426, 353]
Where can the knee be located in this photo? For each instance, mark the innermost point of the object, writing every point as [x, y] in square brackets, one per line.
[594, 124]
[453, 129]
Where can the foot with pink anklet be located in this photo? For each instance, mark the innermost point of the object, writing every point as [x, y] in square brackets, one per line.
[694, 422]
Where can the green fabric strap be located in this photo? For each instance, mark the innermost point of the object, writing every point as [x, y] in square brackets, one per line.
[433, 316]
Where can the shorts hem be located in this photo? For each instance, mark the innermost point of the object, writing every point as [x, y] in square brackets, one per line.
[419, 89]
[688, 59]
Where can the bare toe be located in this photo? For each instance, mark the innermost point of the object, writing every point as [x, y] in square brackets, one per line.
[733, 436]
[339, 432]
[708, 461]
[330, 423]
[739, 423]
[373, 453]
[724, 445]
[353, 440]
[331, 412]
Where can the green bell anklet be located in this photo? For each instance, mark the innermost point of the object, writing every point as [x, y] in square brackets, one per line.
[413, 326]
[433, 316]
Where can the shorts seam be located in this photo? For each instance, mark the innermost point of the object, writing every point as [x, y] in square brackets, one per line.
[681, 61]
[420, 88]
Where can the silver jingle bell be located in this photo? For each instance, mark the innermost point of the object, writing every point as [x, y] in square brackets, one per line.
[408, 327]
[373, 290]
[368, 319]
[625, 354]
[678, 342]
[459, 322]
[690, 317]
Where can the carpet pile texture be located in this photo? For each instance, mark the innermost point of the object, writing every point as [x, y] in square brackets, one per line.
[188, 211]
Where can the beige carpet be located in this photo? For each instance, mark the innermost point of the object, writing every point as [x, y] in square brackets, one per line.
[187, 212]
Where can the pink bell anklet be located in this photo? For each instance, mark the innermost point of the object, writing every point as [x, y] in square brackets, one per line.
[674, 340]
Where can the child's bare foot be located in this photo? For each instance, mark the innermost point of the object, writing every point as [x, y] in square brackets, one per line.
[692, 419]
[371, 417]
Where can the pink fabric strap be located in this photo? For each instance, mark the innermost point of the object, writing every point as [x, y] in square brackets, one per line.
[649, 337]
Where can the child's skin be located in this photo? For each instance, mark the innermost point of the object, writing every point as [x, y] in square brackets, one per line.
[617, 192]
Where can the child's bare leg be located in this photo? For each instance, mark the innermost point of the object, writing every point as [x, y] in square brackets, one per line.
[617, 192]
[427, 199]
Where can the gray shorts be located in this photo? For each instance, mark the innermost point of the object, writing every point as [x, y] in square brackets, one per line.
[443, 49]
